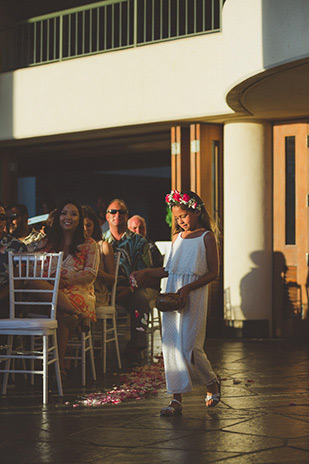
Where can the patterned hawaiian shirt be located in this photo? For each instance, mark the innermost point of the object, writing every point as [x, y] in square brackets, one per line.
[135, 254]
[8, 243]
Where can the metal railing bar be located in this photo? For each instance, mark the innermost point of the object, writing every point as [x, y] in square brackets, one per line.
[83, 32]
[55, 37]
[152, 21]
[212, 14]
[69, 35]
[113, 26]
[128, 23]
[90, 30]
[76, 33]
[98, 29]
[47, 41]
[169, 18]
[203, 15]
[161, 19]
[145, 22]
[120, 24]
[186, 17]
[194, 16]
[41, 39]
[135, 24]
[34, 44]
[177, 19]
[60, 38]
[105, 27]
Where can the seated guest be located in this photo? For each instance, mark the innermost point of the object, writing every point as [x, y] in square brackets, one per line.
[17, 224]
[106, 273]
[7, 243]
[101, 213]
[138, 225]
[76, 301]
[135, 255]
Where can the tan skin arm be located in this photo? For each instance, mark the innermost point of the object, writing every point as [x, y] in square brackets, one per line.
[106, 250]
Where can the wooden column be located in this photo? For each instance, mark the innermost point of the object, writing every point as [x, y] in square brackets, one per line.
[180, 158]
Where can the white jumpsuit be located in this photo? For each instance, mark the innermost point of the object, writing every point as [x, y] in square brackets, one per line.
[183, 332]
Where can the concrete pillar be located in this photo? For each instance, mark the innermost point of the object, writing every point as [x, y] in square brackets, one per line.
[248, 222]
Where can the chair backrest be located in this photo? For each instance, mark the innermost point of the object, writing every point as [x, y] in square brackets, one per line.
[25, 268]
[113, 293]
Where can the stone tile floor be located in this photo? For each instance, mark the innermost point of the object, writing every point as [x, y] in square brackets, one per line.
[264, 421]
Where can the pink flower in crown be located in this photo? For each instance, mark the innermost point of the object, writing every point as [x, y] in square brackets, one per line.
[176, 196]
[167, 198]
[185, 197]
[195, 205]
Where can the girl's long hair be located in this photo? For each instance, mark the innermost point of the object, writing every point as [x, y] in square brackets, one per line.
[90, 214]
[55, 234]
[205, 219]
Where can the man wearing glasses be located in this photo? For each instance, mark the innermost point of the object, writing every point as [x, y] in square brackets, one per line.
[17, 224]
[135, 255]
[7, 243]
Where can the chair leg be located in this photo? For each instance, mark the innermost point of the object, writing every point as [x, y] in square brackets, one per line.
[45, 369]
[104, 346]
[92, 365]
[57, 365]
[116, 341]
[152, 331]
[83, 356]
[32, 360]
[7, 364]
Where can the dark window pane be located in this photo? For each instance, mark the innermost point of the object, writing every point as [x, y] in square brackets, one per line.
[290, 197]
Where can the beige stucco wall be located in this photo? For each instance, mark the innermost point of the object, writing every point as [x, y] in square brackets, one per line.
[248, 218]
[147, 84]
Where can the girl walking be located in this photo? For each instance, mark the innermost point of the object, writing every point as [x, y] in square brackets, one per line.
[192, 265]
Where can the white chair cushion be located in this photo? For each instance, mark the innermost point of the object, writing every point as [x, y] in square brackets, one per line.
[31, 324]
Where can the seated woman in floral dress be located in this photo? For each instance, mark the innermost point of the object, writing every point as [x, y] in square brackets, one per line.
[76, 300]
[106, 274]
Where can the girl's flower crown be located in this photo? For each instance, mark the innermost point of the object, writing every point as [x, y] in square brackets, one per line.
[176, 198]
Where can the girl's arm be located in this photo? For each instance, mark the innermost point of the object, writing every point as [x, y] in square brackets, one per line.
[108, 273]
[213, 268]
[145, 277]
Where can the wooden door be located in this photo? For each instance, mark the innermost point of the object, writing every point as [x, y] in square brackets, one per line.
[290, 228]
[206, 179]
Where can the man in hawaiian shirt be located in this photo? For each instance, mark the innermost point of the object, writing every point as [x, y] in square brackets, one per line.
[7, 243]
[18, 224]
[135, 255]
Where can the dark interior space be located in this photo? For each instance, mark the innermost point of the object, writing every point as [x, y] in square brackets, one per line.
[134, 168]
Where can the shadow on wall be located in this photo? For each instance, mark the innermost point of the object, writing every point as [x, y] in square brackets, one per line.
[253, 284]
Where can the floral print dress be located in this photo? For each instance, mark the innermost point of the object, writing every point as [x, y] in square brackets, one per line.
[78, 274]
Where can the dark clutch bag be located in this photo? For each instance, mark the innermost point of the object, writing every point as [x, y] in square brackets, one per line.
[168, 302]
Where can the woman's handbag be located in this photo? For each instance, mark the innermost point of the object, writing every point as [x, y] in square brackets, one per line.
[168, 302]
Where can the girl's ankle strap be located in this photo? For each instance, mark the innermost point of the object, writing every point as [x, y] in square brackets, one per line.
[179, 402]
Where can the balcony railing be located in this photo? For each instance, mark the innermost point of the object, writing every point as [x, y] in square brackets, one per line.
[105, 26]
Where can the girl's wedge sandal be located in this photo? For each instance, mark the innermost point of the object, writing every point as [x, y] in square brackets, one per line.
[170, 411]
[214, 397]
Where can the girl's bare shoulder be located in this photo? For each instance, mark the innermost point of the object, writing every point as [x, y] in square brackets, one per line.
[175, 236]
[209, 238]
